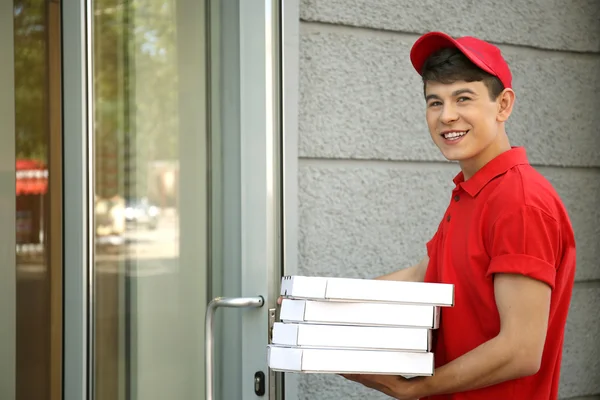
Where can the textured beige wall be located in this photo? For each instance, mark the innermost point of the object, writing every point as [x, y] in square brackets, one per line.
[372, 186]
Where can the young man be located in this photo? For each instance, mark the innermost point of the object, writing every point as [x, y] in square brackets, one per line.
[505, 240]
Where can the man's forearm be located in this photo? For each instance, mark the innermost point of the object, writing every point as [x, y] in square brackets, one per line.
[491, 363]
[416, 273]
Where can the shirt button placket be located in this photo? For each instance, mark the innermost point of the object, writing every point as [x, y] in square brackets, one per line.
[456, 198]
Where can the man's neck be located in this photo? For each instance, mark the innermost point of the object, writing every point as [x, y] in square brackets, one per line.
[471, 166]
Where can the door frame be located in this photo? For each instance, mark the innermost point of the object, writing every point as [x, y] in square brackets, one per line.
[290, 48]
[8, 274]
[260, 118]
[266, 240]
[77, 197]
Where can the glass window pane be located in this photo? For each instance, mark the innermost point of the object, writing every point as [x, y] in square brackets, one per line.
[38, 211]
[151, 195]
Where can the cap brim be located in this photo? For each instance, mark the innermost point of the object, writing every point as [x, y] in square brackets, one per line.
[431, 42]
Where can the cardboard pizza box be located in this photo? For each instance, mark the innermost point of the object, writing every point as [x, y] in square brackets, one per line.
[349, 361]
[364, 290]
[352, 337]
[360, 313]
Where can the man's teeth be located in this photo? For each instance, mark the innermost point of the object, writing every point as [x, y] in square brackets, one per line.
[454, 135]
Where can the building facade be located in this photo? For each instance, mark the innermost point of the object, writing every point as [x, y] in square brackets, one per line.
[164, 161]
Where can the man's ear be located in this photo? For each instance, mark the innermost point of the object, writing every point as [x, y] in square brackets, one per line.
[506, 101]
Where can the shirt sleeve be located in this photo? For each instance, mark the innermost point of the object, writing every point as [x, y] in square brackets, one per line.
[525, 241]
[431, 245]
[431, 275]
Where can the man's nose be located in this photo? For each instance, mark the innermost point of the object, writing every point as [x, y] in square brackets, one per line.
[449, 114]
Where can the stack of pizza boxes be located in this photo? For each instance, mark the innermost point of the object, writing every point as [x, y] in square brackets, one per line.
[344, 326]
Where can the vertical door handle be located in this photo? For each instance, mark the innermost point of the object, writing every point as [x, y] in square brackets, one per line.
[234, 302]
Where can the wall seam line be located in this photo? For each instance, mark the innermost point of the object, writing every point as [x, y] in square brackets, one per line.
[333, 25]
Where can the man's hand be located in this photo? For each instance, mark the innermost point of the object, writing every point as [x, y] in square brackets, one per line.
[394, 386]
[416, 273]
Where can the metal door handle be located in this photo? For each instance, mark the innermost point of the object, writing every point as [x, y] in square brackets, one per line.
[233, 302]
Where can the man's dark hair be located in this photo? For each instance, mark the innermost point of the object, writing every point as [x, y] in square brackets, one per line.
[450, 65]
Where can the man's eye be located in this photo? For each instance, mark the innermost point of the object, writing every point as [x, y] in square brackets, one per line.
[434, 104]
[460, 99]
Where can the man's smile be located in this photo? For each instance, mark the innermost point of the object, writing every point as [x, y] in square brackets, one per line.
[453, 135]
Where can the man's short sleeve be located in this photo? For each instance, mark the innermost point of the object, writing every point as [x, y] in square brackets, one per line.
[432, 244]
[525, 241]
[431, 274]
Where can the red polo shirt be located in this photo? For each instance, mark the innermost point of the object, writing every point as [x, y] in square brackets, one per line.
[506, 219]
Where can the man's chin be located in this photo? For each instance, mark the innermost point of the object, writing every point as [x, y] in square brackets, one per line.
[456, 156]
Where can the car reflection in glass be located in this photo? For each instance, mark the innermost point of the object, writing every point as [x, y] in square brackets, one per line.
[141, 213]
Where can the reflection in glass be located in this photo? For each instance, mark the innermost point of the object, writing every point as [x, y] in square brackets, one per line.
[36, 74]
[150, 257]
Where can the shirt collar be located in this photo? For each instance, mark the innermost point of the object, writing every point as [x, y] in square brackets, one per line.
[498, 166]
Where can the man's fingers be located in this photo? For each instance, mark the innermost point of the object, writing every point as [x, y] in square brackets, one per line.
[351, 377]
[359, 378]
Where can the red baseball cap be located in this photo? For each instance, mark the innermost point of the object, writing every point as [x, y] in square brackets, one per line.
[483, 54]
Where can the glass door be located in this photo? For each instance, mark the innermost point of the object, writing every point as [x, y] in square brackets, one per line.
[172, 190]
